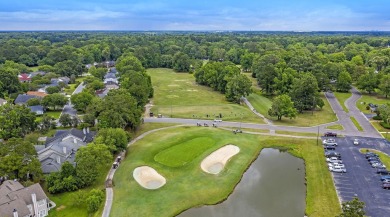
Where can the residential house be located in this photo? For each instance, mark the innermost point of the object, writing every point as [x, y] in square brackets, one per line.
[24, 77]
[19, 201]
[113, 70]
[56, 81]
[62, 147]
[110, 78]
[23, 98]
[3, 102]
[37, 109]
[41, 73]
[102, 93]
[109, 64]
[37, 93]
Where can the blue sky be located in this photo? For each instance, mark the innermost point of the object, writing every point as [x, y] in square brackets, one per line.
[287, 15]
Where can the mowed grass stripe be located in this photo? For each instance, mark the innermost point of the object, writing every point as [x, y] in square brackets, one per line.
[183, 153]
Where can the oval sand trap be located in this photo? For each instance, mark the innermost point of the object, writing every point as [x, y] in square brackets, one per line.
[148, 178]
[215, 162]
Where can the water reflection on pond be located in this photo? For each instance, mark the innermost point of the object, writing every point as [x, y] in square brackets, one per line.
[273, 186]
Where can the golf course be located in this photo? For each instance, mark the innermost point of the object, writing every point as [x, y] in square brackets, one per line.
[177, 153]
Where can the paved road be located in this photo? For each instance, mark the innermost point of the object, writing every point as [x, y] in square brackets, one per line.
[361, 179]
[360, 117]
[344, 117]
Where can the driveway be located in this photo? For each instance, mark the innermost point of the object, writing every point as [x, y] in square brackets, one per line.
[361, 179]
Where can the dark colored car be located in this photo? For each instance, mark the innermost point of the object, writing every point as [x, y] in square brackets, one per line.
[382, 171]
[370, 154]
[373, 159]
[386, 185]
[329, 147]
[330, 134]
[332, 154]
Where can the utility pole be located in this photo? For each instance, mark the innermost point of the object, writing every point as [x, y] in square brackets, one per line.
[318, 133]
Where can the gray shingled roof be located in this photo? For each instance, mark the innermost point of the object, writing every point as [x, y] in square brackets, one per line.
[23, 98]
[14, 196]
[36, 108]
[61, 148]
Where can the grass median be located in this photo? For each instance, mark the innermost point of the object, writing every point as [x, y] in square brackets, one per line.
[188, 186]
[356, 123]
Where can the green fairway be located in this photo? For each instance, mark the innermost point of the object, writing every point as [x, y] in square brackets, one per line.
[342, 97]
[376, 99]
[178, 95]
[188, 186]
[184, 152]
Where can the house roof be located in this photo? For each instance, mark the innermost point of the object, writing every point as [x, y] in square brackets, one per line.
[113, 70]
[23, 98]
[24, 77]
[62, 147]
[33, 74]
[110, 75]
[14, 196]
[37, 93]
[36, 108]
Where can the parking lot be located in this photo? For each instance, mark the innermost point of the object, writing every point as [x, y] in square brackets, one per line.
[361, 179]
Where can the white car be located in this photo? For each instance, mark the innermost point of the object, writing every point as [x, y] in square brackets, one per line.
[337, 169]
[333, 160]
[329, 141]
[356, 142]
[217, 120]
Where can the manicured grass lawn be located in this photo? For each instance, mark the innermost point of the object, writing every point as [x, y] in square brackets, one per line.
[296, 133]
[356, 123]
[184, 151]
[383, 156]
[34, 68]
[54, 114]
[67, 205]
[178, 95]
[188, 186]
[378, 126]
[373, 98]
[342, 97]
[262, 104]
[71, 89]
[335, 127]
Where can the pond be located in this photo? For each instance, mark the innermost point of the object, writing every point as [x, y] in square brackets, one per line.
[273, 186]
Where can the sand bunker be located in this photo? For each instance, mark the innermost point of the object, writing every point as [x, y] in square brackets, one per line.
[148, 178]
[215, 162]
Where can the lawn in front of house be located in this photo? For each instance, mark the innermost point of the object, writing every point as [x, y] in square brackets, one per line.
[54, 114]
[188, 186]
[178, 95]
[342, 97]
[374, 98]
[68, 204]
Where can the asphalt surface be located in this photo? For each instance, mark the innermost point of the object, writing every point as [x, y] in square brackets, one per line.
[361, 179]
[68, 108]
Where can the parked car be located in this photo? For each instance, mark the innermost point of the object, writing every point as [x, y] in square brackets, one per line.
[378, 165]
[382, 171]
[370, 159]
[337, 169]
[356, 142]
[385, 177]
[386, 185]
[336, 165]
[330, 147]
[330, 134]
[329, 140]
[370, 154]
[386, 181]
[330, 160]
[332, 154]
[217, 120]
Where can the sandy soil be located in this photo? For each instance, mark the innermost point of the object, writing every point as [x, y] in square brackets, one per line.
[148, 178]
[216, 161]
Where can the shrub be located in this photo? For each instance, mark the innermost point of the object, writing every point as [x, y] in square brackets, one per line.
[94, 199]
[377, 117]
[383, 124]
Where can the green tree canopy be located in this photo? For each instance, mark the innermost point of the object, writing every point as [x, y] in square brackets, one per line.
[344, 82]
[16, 121]
[115, 138]
[283, 106]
